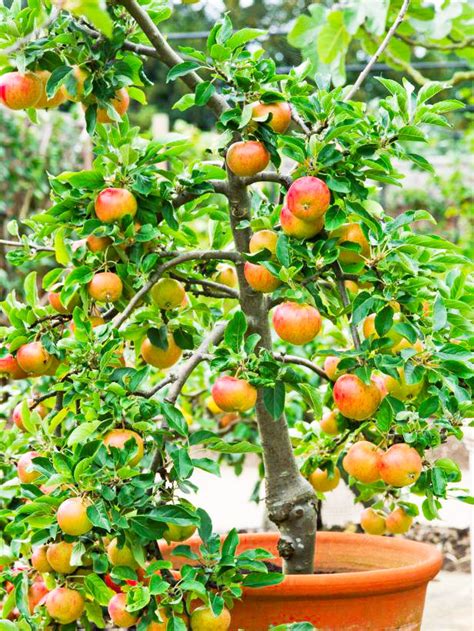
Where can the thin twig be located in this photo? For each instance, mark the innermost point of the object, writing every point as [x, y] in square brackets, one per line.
[21, 244]
[168, 55]
[391, 32]
[465, 43]
[269, 176]
[200, 255]
[223, 289]
[346, 302]
[300, 361]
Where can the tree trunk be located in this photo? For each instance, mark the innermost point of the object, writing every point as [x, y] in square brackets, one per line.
[290, 499]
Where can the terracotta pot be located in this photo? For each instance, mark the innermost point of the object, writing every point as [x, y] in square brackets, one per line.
[369, 583]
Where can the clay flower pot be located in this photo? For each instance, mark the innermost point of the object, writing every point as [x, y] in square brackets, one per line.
[368, 582]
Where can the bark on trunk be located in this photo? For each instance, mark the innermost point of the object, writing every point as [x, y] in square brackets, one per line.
[290, 499]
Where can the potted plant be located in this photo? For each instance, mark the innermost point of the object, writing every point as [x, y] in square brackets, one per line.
[188, 303]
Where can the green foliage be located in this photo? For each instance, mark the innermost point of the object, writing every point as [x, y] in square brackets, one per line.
[415, 283]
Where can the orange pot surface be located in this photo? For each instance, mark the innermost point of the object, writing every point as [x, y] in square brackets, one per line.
[380, 585]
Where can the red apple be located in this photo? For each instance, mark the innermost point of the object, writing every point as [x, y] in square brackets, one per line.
[330, 366]
[308, 198]
[65, 605]
[295, 323]
[120, 103]
[25, 470]
[231, 394]
[259, 278]
[298, 228]
[105, 287]
[362, 462]
[118, 437]
[400, 465]
[372, 522]
[399, 522]
[247, 158]
[277, 115]
[9, 367]
[355, 399]
[263, 240]
[112, 204]
[72, 517]
[34, 359]
[118, 612]
[19, 91]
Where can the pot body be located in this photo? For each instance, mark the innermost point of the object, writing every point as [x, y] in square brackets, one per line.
[367, 583]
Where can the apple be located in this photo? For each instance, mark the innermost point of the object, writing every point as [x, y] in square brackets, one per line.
[228, 419]
[204, 619]
[294, 227]
[54, 300]
[112, 204]
[120, 556]
[277, 115]
[72, 517]
[380, 383]
[351, 232]
[295, 323]
[263, 240]
[59, 555]
[98, 244]
[259, 278]
[321, 482]
[174, 532]
[118, 437]
[226, 275]
[168, 293]
[56, 100]
[36, 594]
[120, 103]
[105, 287]
[231, 394]
[40, 561]
[400, 389]
[25, 470]
[400, 465]
[19, 91]
[65, 605]
[34, 359]
[118, 613]
[330, 366]
[328, 423]
[17, 414]
[246, 158]
[351, 286]
[372, 522]
[9, 367]
[399, 521]
[355, 399]
[418, 346]
[158, 357]
[308, 198]
[362, 462]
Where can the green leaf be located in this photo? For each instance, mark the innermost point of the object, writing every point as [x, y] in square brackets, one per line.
[82, 432]
[274, 399]
[95, 587]
[429, 90]
[158, 337]
[56, 79]
[235, 331]
[174, 418]
[384, 320]
[440, 314]
[60, 249]
[182, 69]
[31, 292]
[204, 91]
[333, 38]
[260, 579]
[243, 36]
[283, 250]
[411, 134]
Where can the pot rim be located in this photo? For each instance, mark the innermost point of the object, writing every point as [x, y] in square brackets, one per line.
[406, 576]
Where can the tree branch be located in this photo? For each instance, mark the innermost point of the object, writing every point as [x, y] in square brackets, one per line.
[183, 197]
[228, 291]
[199, 355]
[391, 32]
[268, 176]
[300, 361]
[167, 55]
[21, 244]
[346, 302]
[465, 43]
[201, 255]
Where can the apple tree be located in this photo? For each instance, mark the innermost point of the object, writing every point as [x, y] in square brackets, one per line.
[178, 305]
